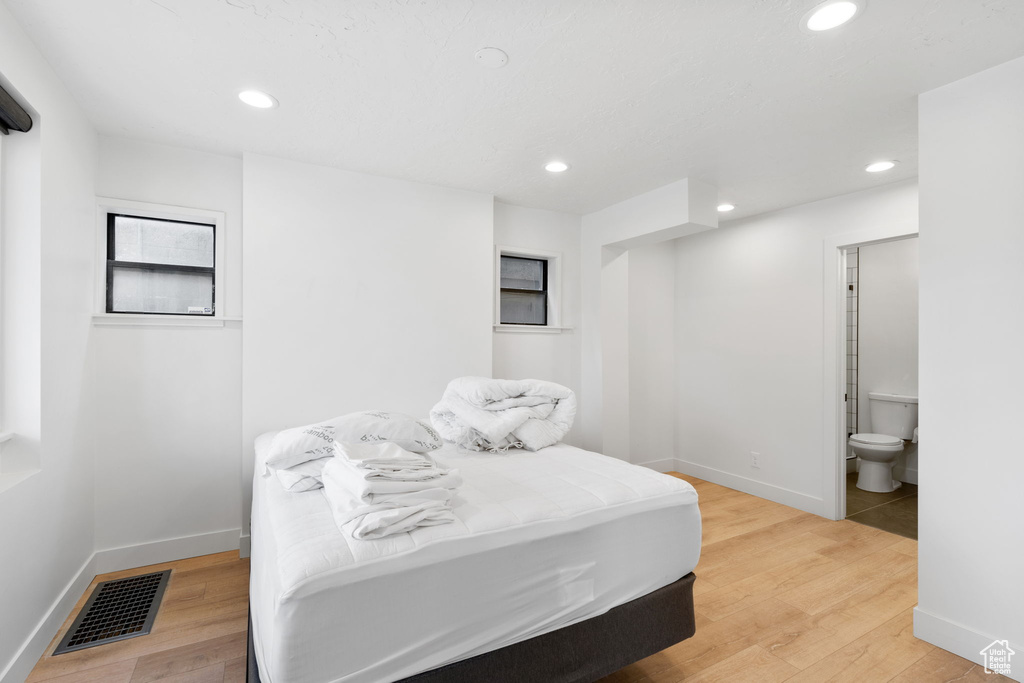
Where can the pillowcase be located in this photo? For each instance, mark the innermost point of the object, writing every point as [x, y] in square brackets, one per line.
[301, 444]
[305, 476]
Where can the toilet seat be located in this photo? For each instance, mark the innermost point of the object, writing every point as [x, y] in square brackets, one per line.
[876, 455]
[876, 440]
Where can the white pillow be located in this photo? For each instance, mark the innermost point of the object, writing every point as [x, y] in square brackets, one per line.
[302, 444]
[305, 476]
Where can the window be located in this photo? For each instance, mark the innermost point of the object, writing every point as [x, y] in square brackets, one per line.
[527, 290]
[159, 266]
[160, 261]
[524, 291]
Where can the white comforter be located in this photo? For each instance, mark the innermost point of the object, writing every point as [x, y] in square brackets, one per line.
[493, 414]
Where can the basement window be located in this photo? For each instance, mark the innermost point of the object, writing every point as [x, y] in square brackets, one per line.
[160, 261]
[159, 266]
[527, 290]
[524, 291]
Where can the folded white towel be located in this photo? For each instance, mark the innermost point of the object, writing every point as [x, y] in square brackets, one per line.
[305, 476]
[368, 490]
[388, 461]
[346, 508]
[382, 455]
[389, 513]
[424, 475]
[399, 520]
[369, 503]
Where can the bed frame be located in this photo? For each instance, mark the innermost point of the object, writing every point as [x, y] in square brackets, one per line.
[579, 653]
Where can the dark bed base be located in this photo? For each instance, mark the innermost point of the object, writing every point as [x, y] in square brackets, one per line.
[579, 653]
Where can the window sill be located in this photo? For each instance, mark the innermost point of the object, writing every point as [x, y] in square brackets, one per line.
[9, 480]
[12, 479]
[130, 320]
[535, 329]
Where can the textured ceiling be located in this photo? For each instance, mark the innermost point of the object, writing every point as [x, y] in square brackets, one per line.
[634, 94]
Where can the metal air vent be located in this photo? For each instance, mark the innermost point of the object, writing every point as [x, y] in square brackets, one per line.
[118, 609]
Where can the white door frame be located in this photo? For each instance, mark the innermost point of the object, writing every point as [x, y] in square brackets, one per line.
[834, 337]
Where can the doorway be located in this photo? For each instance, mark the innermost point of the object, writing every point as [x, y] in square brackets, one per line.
[836, 252]
[881, 388]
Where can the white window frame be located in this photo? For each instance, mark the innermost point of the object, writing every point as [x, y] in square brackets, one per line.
[554, 293]
[108, 205]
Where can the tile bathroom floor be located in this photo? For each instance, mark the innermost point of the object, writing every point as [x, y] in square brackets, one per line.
[894, 512]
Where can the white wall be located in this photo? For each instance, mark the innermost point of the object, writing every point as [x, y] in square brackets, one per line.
[887, 333]
[971, 550]
[748, 338]
[46, 530]
[360, 292]
[651, 329]
[542, 355]
[168, 399]
[887, 325]
[609, 396]
[607, 239]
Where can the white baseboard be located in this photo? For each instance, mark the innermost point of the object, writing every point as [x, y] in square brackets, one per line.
[666, 465]
[167, 550]
[959, 639]
[244, 545]
[909, 476]
[32, 649]
[778, 494]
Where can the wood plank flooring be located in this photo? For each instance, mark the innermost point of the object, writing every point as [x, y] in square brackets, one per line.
[781, 595]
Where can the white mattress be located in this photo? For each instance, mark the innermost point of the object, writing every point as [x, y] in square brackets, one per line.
[541, 540]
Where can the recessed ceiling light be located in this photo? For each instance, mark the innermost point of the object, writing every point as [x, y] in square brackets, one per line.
[828, 15]
[556, 166]
[725, 207]
[258, 99]
[491, 57]
[879, 166]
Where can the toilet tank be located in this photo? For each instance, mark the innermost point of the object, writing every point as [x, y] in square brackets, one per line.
[893, 414]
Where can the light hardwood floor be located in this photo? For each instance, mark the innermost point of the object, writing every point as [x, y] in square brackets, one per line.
[780, 595]
[783, 595]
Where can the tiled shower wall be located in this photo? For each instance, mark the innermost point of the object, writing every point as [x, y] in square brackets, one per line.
[852, 288]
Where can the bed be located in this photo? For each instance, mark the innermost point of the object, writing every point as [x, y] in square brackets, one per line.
[562, 565]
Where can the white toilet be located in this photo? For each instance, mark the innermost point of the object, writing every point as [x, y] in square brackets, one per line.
[894, 418]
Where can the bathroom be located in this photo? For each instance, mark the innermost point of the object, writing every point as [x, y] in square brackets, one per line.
[881, 362]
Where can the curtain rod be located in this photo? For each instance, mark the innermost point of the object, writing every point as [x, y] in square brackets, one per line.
[12, 115]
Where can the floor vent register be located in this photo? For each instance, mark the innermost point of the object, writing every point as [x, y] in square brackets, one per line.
[116, 610]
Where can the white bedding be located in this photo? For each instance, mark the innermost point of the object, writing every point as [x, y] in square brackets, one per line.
[484, 414]
[540, 541]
